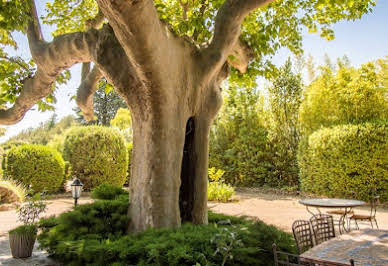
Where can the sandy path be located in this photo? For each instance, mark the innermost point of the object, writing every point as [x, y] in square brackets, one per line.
[278, 210]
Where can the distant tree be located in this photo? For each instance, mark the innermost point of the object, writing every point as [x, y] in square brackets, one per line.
[123, 122]
[310, 67]
[106, 102]
[285, 97]
[52, 121]
[346, 95]
[238, 138]
[45, 132]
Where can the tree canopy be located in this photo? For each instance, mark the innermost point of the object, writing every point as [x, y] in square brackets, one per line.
[264, 32]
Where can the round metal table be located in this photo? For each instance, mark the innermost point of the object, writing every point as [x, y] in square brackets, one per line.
[345, 204]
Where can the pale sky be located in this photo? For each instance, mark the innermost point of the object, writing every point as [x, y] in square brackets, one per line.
[362, 41]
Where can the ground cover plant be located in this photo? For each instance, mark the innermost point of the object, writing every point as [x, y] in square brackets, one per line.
[95, 234]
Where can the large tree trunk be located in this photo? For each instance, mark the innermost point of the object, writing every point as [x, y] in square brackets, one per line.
[169, 166]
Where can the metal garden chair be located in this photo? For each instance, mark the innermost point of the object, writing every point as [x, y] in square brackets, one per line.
[323, 227]
[303, 235]
[369, 218]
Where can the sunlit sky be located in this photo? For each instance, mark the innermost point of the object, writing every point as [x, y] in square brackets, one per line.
[362, 41]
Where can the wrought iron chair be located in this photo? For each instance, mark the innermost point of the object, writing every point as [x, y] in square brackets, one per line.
[303, 235]
[287, 259]
[323, 227]
[369, 218]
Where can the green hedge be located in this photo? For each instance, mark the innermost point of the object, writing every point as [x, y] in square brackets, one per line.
[96, 234]
[39, 167]
[346, 161]
[97, 155]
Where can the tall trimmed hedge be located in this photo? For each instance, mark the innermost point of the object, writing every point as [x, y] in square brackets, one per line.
[97, 155]
[36, 166]
[346, 160]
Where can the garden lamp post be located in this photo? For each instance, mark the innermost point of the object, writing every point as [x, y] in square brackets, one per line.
[76, 188]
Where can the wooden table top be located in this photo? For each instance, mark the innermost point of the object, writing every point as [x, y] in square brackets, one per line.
[367, 247]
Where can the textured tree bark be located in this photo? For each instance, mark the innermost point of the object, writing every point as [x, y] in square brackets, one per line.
[169, 163]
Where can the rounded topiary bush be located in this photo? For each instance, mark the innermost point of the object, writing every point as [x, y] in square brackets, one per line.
[97, 155]
[38, 167]
[346, 160]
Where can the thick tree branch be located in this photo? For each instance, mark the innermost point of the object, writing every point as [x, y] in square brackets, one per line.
[89, 79]
[140, 32]
[86, 91]
[51, 59]
[227, 31]
[241, 54]
[96, 22]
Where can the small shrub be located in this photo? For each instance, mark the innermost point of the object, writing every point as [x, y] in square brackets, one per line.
[11, 191]
[97, 155]
[29, 213]
[217, 189]
[95, 234]
[107, 192]
[38, 167]
[215, 175]
[346, 161]
[98, 220]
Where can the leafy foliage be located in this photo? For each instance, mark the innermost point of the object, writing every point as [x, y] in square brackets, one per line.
[97, 155]
[123, 122]
[217, 189]
[30, 211]
[37, 167]
[107, 192]
[106, 103]
[96, 234]
[347, 95]
[285, 97]
[226, 241]
[266, 30]
[346, 160]
[238, 138]
[98, 220]
[48, 133]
